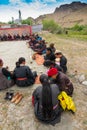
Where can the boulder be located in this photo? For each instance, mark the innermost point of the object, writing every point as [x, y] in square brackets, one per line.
[81, 78]
[84, 83]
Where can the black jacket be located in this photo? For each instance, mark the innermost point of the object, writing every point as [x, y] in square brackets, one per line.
[51, 57]
[63, 63]
[23, 72]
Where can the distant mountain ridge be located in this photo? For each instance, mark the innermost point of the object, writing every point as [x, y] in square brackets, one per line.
[68, 15]
[73, 6]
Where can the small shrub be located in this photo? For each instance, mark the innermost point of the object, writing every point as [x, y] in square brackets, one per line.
[78, 27]
[50, 25]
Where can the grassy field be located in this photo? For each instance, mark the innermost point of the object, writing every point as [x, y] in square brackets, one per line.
[74, 36]
[75, 50]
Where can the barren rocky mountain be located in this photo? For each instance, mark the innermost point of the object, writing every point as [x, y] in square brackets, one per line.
[68, 15]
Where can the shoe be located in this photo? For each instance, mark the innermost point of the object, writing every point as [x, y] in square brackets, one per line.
[9, 95]
[19, 98]
[15, 97]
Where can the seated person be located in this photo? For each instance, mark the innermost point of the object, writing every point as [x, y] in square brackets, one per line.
[46, 105]
[6, 78]
[38, 38]
[9, 37]
[0, 37]
[23, 74]
[49, 54]
[61, 80]
[52, 47]
[5, 37]
[32, 42]
[63, 61]
[40, 47]
[22, 37]
[17, 37]
[51, 64]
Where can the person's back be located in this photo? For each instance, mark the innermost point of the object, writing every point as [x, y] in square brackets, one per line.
[51, 64]
[64, 83]
[52, 47]
[23, 75]
[38, 104]
[21, 71]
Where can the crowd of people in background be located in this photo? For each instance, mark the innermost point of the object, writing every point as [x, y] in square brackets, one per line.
[11, 37]
[44, 98]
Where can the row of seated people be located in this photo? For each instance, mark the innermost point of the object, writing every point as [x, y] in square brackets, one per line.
[37, 44]
[50, 54]
[44, 98]
[9, 37]
[49, 62]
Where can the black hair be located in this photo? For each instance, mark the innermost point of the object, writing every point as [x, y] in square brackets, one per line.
[52, 45]
[21, 60]
[47, 106]
[49, 49]
[17, 64]
[48, 63]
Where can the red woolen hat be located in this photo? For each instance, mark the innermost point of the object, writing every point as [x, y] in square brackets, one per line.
[52, 71]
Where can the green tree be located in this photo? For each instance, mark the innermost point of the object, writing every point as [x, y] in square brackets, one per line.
[10, 22]
[52, 26]
[27, 21]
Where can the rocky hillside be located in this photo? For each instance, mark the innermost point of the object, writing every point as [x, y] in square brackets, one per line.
[68, 15]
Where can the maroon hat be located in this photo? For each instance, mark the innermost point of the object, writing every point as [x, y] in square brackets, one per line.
[52, 71]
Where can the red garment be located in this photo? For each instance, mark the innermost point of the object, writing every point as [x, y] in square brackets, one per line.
[33, 100]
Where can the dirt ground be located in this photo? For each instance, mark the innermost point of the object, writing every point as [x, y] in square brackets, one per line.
[21, 116]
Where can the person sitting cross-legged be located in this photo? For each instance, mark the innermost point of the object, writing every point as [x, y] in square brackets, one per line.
[63, 61]
[46, 105]
[51, 64]
[49, 54]
[23, 74]
[61, 80]
[6, 78]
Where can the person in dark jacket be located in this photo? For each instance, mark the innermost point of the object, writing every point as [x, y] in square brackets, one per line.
[51, 64]
[6, 78]
[49, 55]
[61, 80]
[46, 105]
[23, 74]
[52, 47]
[63, 61]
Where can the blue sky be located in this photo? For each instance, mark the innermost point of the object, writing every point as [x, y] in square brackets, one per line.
[29, 8]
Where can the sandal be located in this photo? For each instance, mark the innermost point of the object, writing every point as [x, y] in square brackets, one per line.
[19, 98]
[15, 97]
